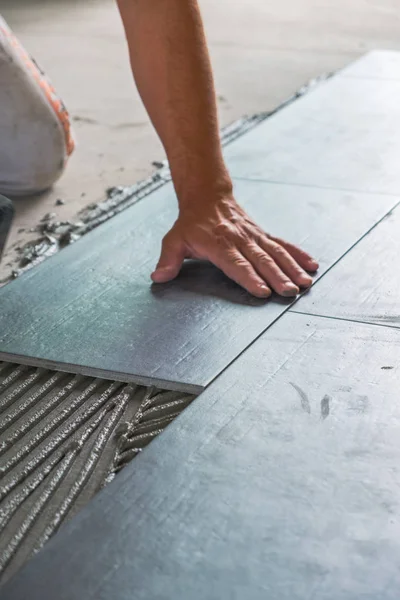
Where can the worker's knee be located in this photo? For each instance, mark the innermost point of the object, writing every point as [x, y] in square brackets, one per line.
[35, 137]
[34, 161]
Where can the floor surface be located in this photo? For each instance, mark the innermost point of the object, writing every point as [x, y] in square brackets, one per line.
[281, 480]
[90, 309]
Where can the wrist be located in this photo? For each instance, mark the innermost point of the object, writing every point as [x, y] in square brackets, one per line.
[205, 187]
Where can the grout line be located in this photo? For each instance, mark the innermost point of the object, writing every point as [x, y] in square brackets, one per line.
[345, 319]
[315, 186]
[288, 308]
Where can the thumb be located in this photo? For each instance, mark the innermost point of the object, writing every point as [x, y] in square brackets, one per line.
[170, 262]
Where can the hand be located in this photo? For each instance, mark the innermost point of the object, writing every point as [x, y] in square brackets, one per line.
[222, 233]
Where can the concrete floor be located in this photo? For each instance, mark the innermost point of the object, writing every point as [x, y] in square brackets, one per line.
[262, 51]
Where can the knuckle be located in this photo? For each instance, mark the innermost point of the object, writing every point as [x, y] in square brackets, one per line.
[256, 235]
[240, 263]
[264, 260]
[278, 251]
[258, 238]
[237, 260]
[227, 235]
[222, 230]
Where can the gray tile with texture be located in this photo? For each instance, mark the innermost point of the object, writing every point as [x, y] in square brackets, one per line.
[91, 309]
[345, 134]
[377, 64]
[365, 285]
[281, 481]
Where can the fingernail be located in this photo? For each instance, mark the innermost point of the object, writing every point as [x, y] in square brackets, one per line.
[305, 281]
[290, 290]
[313, 264]
[265, 292]
[161, 275]
[163, 272]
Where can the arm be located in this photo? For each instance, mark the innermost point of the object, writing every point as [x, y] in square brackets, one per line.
[171, 66]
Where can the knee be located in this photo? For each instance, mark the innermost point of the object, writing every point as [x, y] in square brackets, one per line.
[35, 136]
[44, 157]
[37, 154]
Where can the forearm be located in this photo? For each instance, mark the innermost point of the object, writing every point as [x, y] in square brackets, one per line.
[172, 70]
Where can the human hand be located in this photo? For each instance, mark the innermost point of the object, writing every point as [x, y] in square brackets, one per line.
[224, 234]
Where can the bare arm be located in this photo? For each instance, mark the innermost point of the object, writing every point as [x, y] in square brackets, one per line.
[171, 66]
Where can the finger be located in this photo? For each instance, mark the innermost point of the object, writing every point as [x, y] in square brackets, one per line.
[236, 267]
[286, 262]
[170, 262]
[302, 258]
[269, 270]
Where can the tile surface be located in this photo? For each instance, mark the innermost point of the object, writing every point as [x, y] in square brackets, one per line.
[91, 309]
[365, 285]
[345, 134]
[289, 487]
[378, 64]
[281, 480]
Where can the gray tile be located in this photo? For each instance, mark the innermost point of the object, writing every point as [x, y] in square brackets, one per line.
[377, 64]
[345, 134]
[281, 481]
[365, 285]
[91, 309]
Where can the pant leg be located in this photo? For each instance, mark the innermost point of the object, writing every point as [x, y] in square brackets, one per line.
[35, 136]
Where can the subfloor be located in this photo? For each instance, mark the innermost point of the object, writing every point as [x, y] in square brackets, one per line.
[262, 52]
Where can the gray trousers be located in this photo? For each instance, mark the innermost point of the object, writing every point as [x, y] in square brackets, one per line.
[35, 135]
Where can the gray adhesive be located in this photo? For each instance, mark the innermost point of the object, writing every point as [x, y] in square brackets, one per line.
[62, 438]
